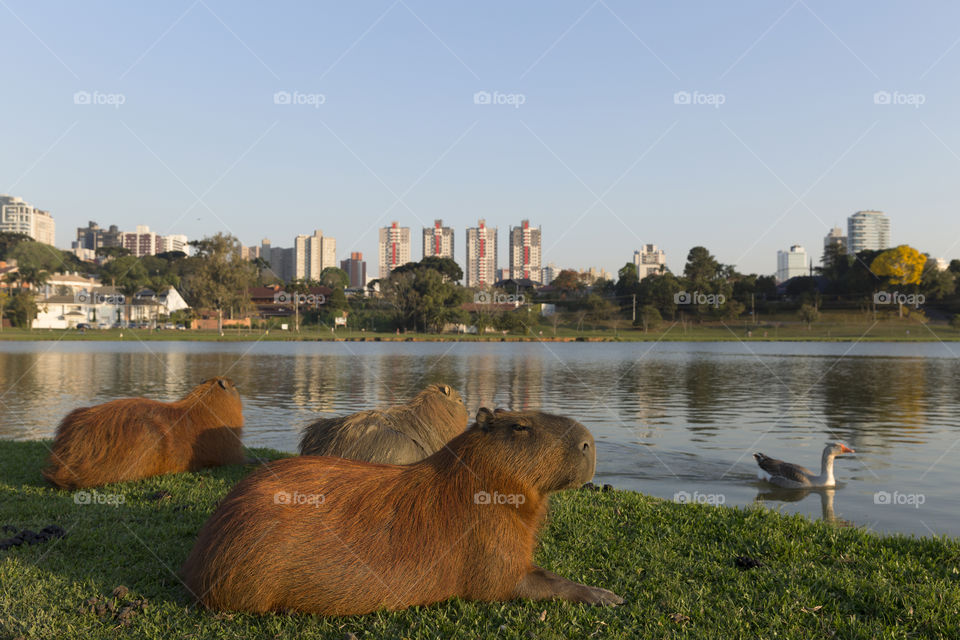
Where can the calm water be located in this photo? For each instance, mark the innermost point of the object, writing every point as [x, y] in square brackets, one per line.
[673, 420]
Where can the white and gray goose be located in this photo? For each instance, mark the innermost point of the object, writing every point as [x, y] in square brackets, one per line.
[793, 476]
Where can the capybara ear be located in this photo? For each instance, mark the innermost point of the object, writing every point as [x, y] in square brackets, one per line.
[445, 388]
[484, 418]
[500, 410]
[222, 382]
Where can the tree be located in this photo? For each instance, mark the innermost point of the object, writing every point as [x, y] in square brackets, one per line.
[22, 309]
[424, 297]
[334, 278]
[936, 284]
[650, 317]
[223, 277]
[836, 262]
[954, 266]
[809, 314]
[701, 269]
[36, 261]
[567, 281]
[9, 242]
[4, 298]
[732, 309]
[903, 265]
[447, 267]
[111, 252]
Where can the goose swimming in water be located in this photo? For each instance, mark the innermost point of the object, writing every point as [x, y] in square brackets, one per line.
[793, 476]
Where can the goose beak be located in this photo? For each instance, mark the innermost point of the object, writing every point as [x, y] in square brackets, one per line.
[845, 449]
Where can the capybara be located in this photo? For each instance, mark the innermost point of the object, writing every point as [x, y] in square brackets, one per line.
[397, 435]
[135, 437]
[333, 536]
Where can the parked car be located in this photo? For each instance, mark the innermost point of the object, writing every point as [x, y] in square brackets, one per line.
[83, 326]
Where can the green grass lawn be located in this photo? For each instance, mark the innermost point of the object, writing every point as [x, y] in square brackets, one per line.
[675, 564]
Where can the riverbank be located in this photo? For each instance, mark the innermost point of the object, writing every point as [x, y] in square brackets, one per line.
[718, 332]
[687, 571]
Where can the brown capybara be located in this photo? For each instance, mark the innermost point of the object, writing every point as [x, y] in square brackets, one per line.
[333, 536]
[135, 437]
[397, 435]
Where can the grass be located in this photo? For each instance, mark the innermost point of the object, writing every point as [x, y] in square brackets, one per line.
[835, 326]
[674, 563]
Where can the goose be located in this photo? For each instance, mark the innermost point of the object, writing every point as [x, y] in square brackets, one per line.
[793, 476]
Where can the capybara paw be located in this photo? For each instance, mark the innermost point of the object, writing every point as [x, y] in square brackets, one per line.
[596, 595]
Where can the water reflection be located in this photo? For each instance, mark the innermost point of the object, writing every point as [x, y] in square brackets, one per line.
[666, 417]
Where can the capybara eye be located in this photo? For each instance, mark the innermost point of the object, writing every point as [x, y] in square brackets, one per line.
[521, 427]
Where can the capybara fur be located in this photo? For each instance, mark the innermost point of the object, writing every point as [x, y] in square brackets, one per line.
[397, 435]
[136, 438]
[333, 536]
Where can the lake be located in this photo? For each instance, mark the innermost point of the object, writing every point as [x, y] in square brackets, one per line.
[675, 420]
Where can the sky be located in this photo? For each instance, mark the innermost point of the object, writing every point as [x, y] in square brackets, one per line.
[743, 127]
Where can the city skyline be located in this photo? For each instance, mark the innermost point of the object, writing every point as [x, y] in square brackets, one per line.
[746, 144]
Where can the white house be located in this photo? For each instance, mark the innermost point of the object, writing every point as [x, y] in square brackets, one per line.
[102, 307]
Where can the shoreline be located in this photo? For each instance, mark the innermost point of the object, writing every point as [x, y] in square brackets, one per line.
[698, 335]
[682, 568]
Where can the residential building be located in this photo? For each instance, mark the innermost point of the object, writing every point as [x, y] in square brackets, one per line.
[356, 268]
[549, 273]
[525, 251]
[92, 237]
[481, 266]
[649, 259]
[438, 240]
[17, 216]
[942, 264]
[282, 260]
[394, 248]
[868, 230]
[792, 263]
[313, 254]
[834, 239]
[144, 242]
[250, 253]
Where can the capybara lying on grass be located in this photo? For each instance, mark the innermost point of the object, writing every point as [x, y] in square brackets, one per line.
[398, 435]
[136, 437]
[340, 537]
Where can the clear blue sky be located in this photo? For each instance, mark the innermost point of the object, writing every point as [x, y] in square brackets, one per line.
[199, 145]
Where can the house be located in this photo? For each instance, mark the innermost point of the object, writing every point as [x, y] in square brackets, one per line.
[104, 307]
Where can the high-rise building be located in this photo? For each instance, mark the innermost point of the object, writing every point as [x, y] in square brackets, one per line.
[481, 255]
[92, 237]
[394, 248]
[438, 240]
[17, 216]
[834, 239]
[792, 263]
[356, 268]
[649, 259]
[868, 230]
[282, 260]
[525, 248]
[313, 254]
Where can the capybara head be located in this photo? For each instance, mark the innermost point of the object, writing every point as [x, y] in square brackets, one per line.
[550, 452]
[444, 398]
